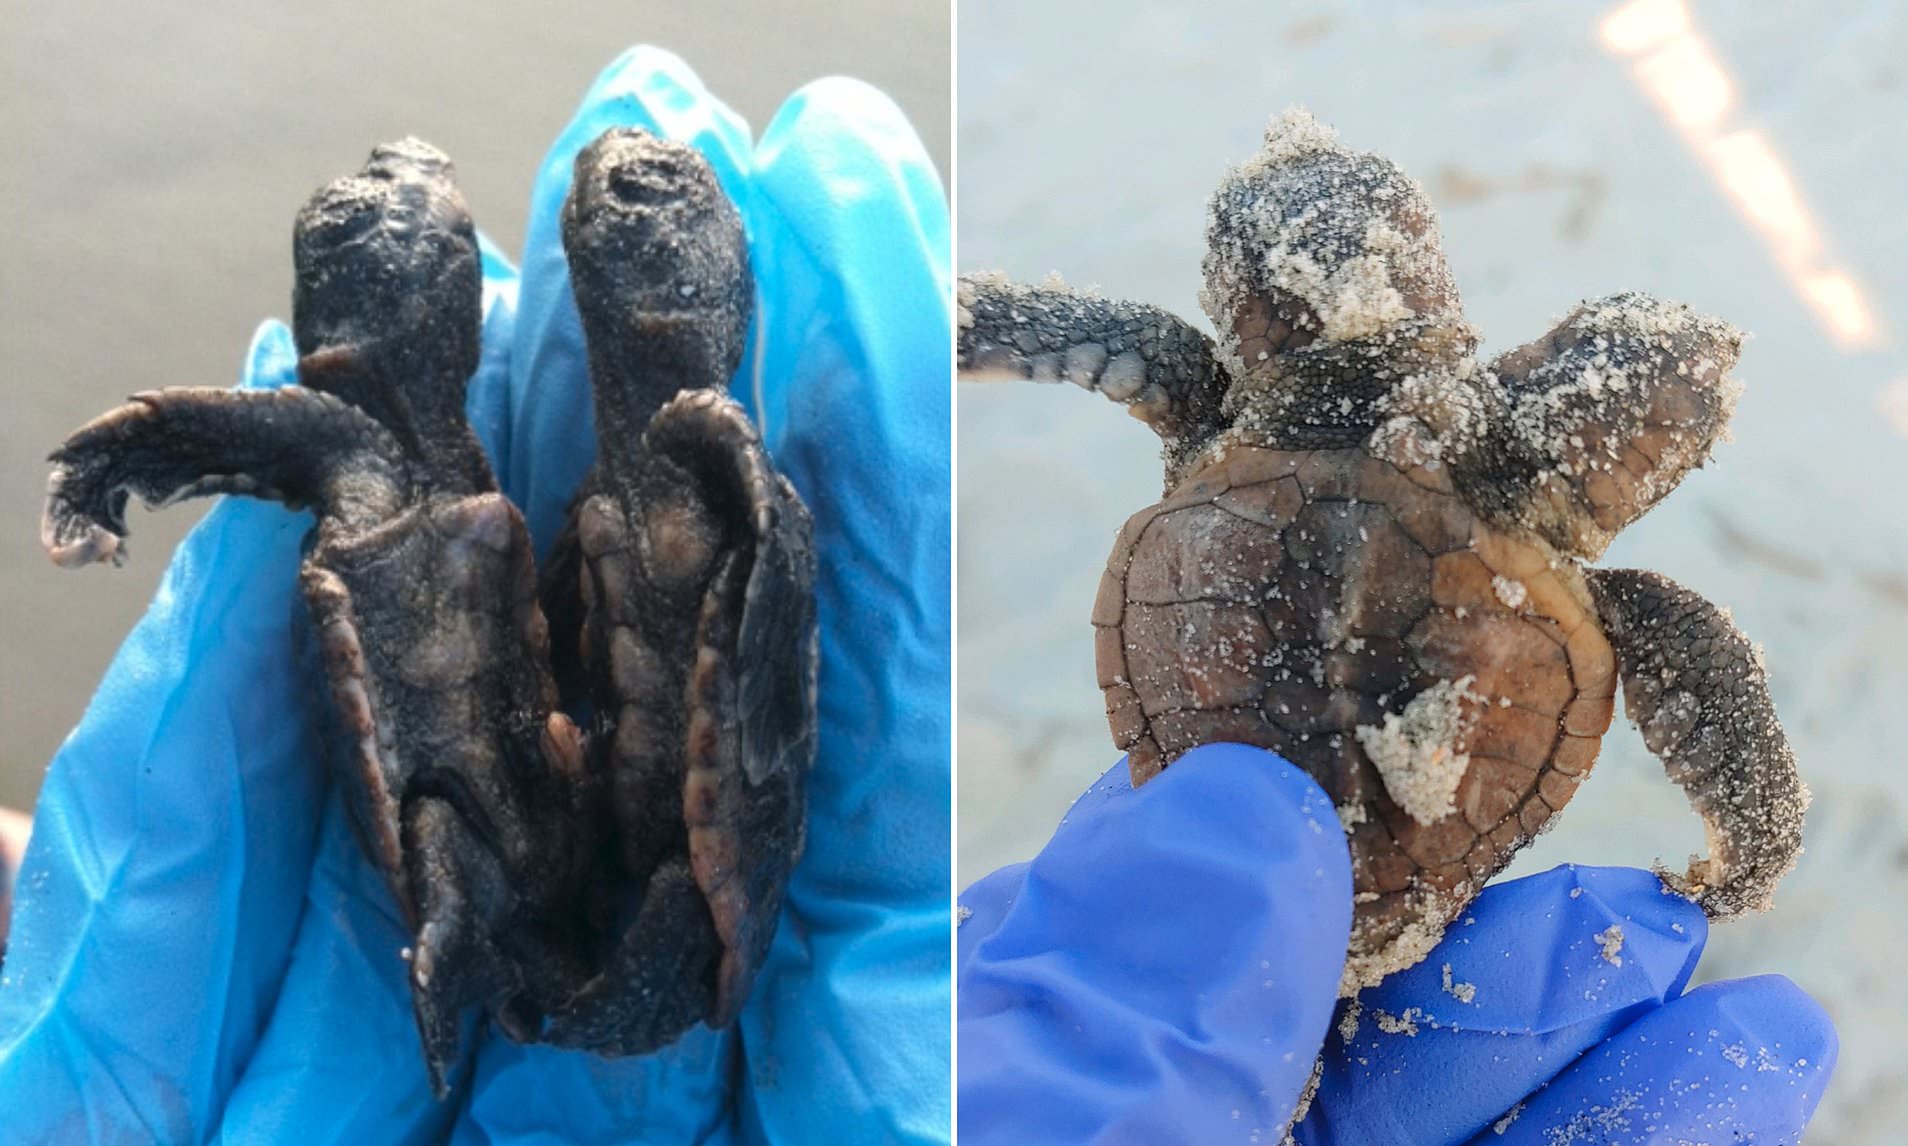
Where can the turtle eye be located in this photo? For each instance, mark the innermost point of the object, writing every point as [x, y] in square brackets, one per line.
[650, 181]
[334, 229]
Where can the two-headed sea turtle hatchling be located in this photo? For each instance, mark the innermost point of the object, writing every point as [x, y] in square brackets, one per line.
[1370, 554]
[607, 894]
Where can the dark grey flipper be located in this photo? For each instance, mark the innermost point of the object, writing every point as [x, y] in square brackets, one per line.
[1160, 367]
[707, 438]
[659, 981]
[1602, 417]
[462, 894]
[292, 445]
[1696, 688]
[750, 699]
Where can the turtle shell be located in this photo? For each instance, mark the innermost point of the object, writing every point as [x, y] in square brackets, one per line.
[1447, 684]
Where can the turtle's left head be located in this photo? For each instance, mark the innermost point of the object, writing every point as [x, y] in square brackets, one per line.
[388, 270]
[1323, 267]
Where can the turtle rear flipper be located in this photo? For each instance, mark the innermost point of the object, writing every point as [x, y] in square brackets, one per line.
[463, 895]
[658, 981]
[291, 445]
[1160, 367]
[1696, 688]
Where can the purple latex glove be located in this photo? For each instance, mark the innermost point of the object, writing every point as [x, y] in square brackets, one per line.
[1167, 970]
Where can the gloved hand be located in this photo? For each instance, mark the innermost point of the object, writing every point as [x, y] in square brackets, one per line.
[200, 948]
[1166, 970]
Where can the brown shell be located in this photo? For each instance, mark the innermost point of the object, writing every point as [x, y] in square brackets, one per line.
[1288, 599]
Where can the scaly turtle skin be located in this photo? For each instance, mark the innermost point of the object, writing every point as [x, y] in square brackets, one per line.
[468, 785]
[1370, 553]
[688, 573]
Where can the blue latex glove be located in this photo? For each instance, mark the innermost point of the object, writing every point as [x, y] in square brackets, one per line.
[200, 948]
[1166, 971]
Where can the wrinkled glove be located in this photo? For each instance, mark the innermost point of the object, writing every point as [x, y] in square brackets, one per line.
[200, 948]
[1166, 970]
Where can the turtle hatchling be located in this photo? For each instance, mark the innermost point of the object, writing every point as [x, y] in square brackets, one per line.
[606, 891]
[1371, 552]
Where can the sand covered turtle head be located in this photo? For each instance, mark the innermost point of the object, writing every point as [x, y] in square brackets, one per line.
[1323, 267]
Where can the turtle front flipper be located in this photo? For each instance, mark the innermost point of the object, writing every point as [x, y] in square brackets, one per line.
[717, 577]
[750, 700]
[1160, 367]
[290, 445]
[1696, 688]
[1600, 419]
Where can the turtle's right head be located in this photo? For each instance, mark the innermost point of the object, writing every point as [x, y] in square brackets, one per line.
[658, 257]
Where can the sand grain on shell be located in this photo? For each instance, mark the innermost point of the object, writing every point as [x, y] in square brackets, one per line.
[1417, 752]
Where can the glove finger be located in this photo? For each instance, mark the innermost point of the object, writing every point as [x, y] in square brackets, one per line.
[1741, 1061]
[340, 1060]
[552, 436]
[849, 234]
[1537, 971]
[1168, 968]
[162, 887]
[364, 1079]
[982, 907]
[524, 1092]
[487, 397]
[547, 1094]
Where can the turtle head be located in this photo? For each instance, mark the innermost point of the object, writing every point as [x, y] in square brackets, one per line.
[1324, 277]
[658, 259]
[1601, 417]
[390, 287]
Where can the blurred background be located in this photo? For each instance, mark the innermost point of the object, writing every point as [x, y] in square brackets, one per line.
[1746, 158]
[156, 154]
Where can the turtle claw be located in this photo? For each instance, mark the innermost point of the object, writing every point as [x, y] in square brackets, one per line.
[437, 1018]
